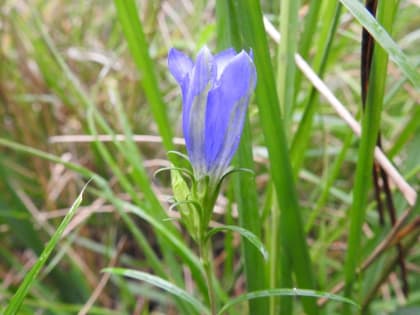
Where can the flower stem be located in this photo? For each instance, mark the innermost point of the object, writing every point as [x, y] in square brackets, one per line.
[206, 254]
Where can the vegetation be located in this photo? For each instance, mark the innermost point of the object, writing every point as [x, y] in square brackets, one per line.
[89, 112]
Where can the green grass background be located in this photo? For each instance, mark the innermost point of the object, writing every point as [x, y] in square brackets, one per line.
[76, 76]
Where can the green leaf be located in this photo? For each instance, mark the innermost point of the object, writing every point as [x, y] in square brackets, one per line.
[370, 129]
[183, 172]
[17, 300]
[160, 283]
[245, 187]
[285, 292]
[137, 43]
[384, 39]
[289, 224]
[286, 69]
[251, 237]
[249, 218]
[331, 17]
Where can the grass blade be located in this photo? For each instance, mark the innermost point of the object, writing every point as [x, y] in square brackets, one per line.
[289, 20]
[160, 283]
[17, 300]
[311, 21]
[249, 218]
[383, 38]
[137, 43]
[286, 292]
[370, 128]
[331, 16]
[245, 187]
[251, 237]
[291, 227]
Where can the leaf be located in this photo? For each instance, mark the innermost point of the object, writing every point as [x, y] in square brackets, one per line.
[371, 122]
[162, 284]
[17, 300]
[180, 171]
[251, 237]
[384, 39]
[132, 27]
[289, 226]
[285, 292]
[233, 170]
[245, 187]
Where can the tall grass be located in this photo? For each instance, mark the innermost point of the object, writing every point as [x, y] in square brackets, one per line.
[86, 95]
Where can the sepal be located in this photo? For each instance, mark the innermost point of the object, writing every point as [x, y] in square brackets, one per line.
[189, 208]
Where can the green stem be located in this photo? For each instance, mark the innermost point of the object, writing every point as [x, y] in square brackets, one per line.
[205, 254]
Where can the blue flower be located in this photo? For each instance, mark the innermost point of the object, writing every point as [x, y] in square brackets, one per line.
[215, 96]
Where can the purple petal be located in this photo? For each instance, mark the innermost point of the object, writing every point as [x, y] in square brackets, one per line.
[203, 72]
[179, 65]
[201, 79]
[222, 59]
[225, 112]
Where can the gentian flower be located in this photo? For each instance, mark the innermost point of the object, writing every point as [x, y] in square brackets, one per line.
[215, 96]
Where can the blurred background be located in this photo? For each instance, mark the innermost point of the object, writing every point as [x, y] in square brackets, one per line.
[71, 79]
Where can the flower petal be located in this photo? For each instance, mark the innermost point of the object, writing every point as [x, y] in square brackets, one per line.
[201, 79]
[203, 73]
[222, 59]
[225, 112]
[179, 65]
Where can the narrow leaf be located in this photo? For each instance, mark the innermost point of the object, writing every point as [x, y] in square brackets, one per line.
[137, 43]
[162, 284]
[245, 187]
[384, 39]
[251, 237]
[17, 299]
[289, 225]
[285, 292]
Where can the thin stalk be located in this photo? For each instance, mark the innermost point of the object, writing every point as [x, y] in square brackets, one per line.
[206, 255]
